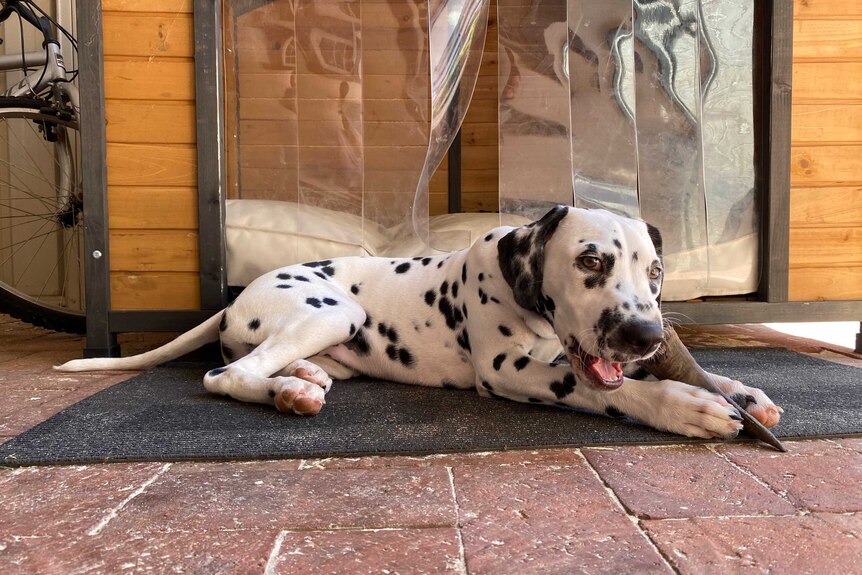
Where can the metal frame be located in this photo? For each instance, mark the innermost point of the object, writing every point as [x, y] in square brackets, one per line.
[102, 324]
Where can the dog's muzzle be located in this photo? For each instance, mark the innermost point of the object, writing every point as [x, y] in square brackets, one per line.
[635, 339]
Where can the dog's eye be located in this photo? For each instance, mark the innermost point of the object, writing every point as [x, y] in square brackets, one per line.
[591, 263]
[654, 272]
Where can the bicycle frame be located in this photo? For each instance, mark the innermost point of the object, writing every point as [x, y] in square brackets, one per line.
[49, 63]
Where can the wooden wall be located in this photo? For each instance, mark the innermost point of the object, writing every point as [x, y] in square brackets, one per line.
[151, 154]
[826, 156]
[149, 90]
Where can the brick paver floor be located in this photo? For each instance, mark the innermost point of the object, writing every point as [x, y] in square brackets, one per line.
[715, 508]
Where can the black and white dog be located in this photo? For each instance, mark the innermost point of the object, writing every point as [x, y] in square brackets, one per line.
[495, 316]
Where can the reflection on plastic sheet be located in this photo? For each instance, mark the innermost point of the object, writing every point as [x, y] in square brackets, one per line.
[535, 146]
[456, 39]
[643, 107]
[601, 81]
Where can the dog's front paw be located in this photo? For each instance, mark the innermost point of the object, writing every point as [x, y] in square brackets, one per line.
[751, 399]
[695, 412]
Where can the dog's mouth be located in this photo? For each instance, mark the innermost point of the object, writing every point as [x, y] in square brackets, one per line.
[600, 372]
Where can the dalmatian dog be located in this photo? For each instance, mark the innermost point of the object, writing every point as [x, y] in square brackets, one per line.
[552, 313]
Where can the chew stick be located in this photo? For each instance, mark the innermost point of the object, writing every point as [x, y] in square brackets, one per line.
[673, 361]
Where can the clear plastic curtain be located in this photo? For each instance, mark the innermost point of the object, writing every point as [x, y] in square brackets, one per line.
[658, 122]
[456, 34]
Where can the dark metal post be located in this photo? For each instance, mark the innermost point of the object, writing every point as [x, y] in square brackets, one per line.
[97, 279]
[210, 153]
[775, 253]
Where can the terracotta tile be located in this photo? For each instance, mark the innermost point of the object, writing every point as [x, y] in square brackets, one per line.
[234, 552]
[414, 551]
[47, 380]
[819, 543]
[854, 443]
[264, 495]
[49, 501]
[565, 457]
[546, 519]
[682, 481]
[27, 408]
[815, 475]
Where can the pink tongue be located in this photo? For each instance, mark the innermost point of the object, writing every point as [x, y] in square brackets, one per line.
[607, 371]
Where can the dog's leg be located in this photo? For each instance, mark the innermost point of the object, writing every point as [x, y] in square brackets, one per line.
[666, 405]
[276, 371]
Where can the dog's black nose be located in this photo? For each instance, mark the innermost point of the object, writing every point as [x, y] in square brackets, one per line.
[637, 337]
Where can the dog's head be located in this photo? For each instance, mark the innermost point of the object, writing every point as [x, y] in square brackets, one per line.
[597, 278]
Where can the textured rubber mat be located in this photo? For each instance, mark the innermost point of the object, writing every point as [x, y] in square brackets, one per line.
[165, 415]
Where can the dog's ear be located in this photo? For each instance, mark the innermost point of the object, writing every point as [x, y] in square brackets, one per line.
[521, 256]
[655, 236]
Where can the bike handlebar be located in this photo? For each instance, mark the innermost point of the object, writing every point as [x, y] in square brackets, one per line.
[27, 13]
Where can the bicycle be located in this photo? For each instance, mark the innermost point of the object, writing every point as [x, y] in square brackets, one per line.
[41, 202]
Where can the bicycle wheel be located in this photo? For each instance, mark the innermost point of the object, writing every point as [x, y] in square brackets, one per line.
[41, 215]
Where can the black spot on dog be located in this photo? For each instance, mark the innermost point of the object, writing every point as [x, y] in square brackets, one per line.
[618, 244]
[464, 274]
[521, 362]
[426, 261]
[612, 411]
[498, 361]
[454, 289]
[392, 352]
[634, 256]
[464, 340]
[321, 275]
[489, 237]
[391, 334]
[368, 321]
[284, 276]
[505, 330]
[593, 281]
[284, 286]
[354, 289]
[608, 319]
[453, 315]
[487, 386]
[619, 286]
[271, 393]
[430, 297]
[381, 328]
[402, 268]
[359, 344]
[217, 371]
[483, 297]
[444, 288]
[495, 300]
[653, 287]
[405, 357]
[254, 324]
[328, 270]
[464, 308]
[317, 264]
[449, 384]
[314, 302]
[227, 353]
[439, 264]
[352, 329]
[608, 263]
[626, 305]
[330, 301]
[563, 388]
[481, 277]
[222, 325]
[301, 278]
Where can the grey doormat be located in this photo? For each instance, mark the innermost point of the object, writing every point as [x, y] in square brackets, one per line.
[165, 415]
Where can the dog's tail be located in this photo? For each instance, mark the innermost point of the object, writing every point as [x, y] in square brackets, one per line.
[205, 333]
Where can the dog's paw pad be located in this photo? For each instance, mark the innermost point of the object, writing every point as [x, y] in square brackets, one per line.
[294, 401]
